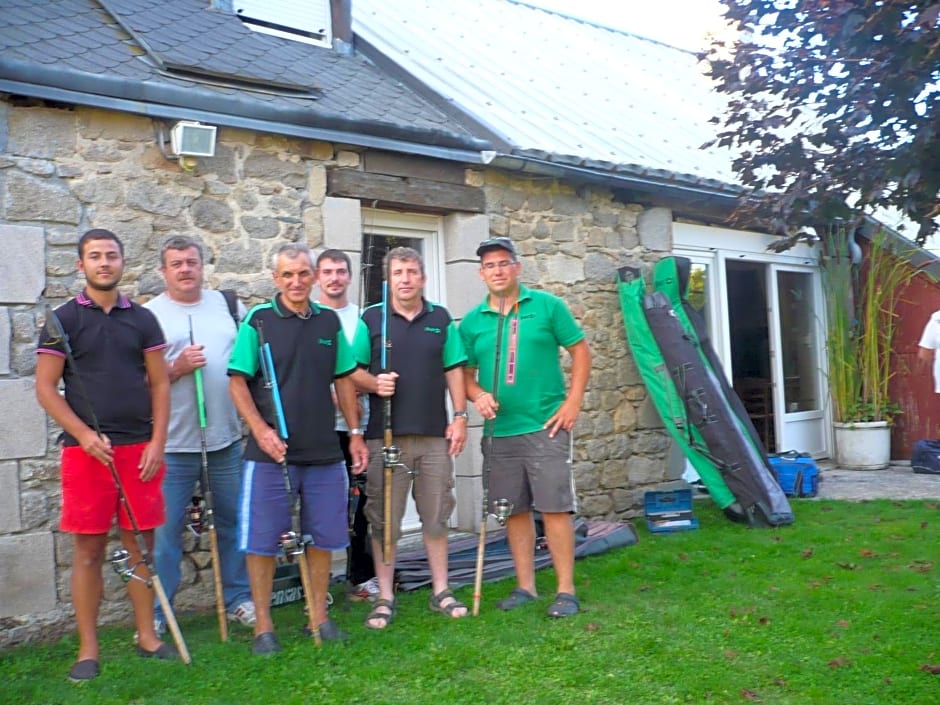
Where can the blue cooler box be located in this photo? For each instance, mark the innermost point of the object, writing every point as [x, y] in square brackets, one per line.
[671, 511]
[796, 473]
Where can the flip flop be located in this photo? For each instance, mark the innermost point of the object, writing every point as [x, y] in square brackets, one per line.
[564, 605]
[84, 670]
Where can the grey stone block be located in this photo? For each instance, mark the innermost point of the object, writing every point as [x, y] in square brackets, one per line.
[23, 265]
[22, 420]
[342, 223]
[5, 338]
[9, 496]
[27, 574]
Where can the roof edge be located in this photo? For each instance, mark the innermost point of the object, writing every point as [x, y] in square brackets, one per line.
[84, 88]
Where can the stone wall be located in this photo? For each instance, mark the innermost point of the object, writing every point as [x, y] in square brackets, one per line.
[63, 171]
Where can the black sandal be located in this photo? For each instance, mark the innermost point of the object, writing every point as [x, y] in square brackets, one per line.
[385, 617]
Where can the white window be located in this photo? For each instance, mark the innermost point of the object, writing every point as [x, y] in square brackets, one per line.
[301, 20]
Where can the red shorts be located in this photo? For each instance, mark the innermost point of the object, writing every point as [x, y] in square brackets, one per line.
[90, 497]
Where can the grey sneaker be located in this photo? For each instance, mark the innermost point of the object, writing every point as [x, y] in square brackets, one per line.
[265, 644]
[328, 632]
[244, 614]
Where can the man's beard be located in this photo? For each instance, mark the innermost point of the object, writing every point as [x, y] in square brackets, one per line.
[103, 287]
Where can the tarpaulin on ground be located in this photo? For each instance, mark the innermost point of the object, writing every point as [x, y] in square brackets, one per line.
[591, 537]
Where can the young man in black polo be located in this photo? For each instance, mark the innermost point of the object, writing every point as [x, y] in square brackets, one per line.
[427, 356]
[118, 350]
[309, 352]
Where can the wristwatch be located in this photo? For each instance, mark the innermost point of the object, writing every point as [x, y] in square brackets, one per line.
[355, 432]
[461, 415]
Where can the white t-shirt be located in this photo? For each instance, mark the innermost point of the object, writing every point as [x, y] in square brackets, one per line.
[930, 339]
[213, 328]
[349, 320]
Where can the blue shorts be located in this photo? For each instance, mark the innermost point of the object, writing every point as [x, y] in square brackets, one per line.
[265, 511]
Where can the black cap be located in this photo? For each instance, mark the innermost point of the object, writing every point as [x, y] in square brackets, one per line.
[496, 243]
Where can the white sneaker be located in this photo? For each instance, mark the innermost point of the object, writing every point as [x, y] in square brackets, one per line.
[365, 592]
[244, 613]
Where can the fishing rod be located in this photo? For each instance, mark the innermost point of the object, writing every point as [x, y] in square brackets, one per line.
[391, 454]
[209, 514]
[120, 559]
[502, 506]
[292, 543]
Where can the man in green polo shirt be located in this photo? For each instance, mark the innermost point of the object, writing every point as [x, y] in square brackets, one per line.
[530, 415]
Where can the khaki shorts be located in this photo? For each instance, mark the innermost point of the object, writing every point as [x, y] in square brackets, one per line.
[432, 485]
[532, 471]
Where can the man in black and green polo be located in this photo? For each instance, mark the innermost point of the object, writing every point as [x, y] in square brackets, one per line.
[427, 356]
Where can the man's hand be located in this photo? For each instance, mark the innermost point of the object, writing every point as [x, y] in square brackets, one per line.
[359, 454]
[191, 358]
[271, 443]
[486, 405]
[98, 447]
[385, 383]
[456, 433]
[151, 460]
[565, 417]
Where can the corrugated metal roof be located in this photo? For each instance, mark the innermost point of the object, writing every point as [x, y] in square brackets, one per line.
[556, 88]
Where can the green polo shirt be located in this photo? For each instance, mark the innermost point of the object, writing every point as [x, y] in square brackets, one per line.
[308, 354]
[531, 383]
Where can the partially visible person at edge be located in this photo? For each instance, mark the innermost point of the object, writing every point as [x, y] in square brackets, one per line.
[309, 353]
[118, 349]
[184, 308]
[530, 416]
[333, 277]
[426, 355]
[928, 350]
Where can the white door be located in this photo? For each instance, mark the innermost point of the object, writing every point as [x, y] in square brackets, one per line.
[383, 230]
[765, 321]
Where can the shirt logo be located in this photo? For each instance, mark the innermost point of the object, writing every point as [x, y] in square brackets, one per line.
[432, 329]
[325, 341]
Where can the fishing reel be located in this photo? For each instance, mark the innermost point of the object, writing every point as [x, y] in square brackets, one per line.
[292, 544]
[195, 516]
[391, 456]
[502, 510]
[121, 564]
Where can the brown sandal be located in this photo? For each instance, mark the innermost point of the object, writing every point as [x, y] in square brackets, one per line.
[434, 603]
[385, 617]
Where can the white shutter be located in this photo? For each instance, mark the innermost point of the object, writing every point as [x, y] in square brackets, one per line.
[302, 20]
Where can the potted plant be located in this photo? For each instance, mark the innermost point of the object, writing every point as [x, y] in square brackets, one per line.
[861, 326]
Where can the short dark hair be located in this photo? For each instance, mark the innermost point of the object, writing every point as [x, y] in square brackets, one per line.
[403, 254]
[336, 256]
[179, 242]
[98, 234]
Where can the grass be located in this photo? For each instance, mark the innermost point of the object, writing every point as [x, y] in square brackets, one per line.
[841, 607]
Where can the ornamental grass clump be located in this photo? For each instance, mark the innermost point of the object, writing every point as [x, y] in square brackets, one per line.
[862, 324]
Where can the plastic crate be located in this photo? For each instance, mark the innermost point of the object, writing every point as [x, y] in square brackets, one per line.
[796, 473]
[668, 512]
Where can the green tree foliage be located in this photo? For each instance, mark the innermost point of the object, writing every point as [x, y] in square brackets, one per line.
[833, 108]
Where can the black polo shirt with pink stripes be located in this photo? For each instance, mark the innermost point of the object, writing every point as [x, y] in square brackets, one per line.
[109, 351]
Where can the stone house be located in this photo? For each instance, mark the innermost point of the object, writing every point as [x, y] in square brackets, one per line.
[331, 138]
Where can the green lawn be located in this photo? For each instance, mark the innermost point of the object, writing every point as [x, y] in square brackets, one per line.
[841, 608]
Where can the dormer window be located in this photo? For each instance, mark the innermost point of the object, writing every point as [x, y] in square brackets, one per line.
[301, 20]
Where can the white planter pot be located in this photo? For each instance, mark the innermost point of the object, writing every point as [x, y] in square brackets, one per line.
[863, 445]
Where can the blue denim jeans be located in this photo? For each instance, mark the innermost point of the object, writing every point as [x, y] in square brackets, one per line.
[183, 471]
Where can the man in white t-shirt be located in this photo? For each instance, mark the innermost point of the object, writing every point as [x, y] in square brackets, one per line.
[333, 279]
[930, 347]
[185, 306]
